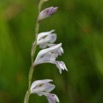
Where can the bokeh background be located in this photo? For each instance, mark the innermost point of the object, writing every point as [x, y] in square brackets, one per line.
[79, 25]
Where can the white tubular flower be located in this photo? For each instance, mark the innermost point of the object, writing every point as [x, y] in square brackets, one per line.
[45, 39]
[47, 12]
[49, 55]
[52, 98]
[41, 87]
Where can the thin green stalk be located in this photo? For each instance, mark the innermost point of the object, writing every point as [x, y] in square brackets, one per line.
[32, 67]
[26, 99]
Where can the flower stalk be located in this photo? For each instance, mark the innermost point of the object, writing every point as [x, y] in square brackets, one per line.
[33, 50]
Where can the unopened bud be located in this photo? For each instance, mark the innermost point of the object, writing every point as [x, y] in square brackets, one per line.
[47, 13]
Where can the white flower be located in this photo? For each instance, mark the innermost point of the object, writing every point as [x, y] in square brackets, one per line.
[45, 39]
[49, 55]
[52, 98]
[47, 12]
[42, 87]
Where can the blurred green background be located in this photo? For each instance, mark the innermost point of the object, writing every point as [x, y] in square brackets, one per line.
[79, 25]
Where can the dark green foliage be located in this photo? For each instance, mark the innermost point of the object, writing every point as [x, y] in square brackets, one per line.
[79, 25]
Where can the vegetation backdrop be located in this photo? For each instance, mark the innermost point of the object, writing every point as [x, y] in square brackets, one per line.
[79, 25]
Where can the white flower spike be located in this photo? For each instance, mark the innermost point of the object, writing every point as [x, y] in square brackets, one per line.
[41, 87]
[49, 55]
[46, 55]
[47, 13]
[45, 39]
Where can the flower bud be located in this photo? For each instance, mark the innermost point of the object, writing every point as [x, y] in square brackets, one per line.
[47, 13]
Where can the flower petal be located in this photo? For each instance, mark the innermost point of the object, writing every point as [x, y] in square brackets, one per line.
[39, 82]
[43, 45]
[61, 66]
[46, 38]
[43, 88]
[47, 58]
[52, 98]
[51, 38]
[43, 34]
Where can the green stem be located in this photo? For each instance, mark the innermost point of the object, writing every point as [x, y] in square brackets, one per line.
[35, 43]
[32, 67]
[34, 46]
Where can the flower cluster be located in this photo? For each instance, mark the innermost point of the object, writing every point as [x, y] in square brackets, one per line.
[48, 54]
